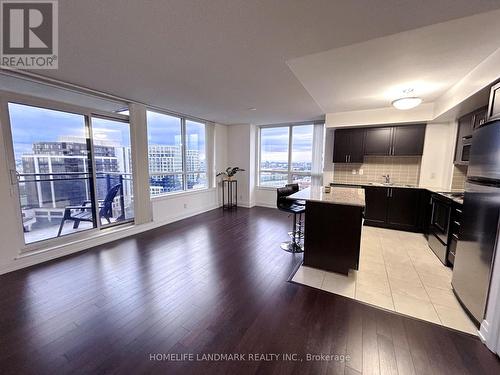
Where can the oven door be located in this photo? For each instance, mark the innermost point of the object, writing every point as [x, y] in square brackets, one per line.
[440, 219]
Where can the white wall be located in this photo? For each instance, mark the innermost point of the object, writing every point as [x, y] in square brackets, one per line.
[389, 115]
[328, 159]
[436, 169]
[241, 153]
[265, 197]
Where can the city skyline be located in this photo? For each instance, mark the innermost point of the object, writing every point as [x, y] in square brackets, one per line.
[274, 143]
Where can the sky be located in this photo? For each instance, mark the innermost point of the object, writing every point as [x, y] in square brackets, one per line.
[166, 130]
[274, 143]
[32, 124]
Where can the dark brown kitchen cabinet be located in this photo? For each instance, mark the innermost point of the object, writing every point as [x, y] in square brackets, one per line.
[378, 141]
[348, 145]
[403, 208]
[341, 145]
[479, 117]
[464, 139]
[375, 205]
[405, 140]
[466, 126]
[408, 140]
[389, 207]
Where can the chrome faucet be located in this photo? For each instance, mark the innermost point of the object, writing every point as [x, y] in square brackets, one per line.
[387, 178]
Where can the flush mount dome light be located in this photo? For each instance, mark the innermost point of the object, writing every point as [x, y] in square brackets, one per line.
[408, 101]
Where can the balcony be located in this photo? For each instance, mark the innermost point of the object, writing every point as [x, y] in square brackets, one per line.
[48, 198]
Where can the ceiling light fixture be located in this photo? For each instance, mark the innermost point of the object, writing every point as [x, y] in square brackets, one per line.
[408, 101]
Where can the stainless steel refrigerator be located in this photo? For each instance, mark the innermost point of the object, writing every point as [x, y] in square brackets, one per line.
[480, 220]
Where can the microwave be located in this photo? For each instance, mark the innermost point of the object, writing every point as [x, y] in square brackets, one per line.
[465, 152]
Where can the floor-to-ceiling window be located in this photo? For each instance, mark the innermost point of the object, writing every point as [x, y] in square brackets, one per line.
[113, 169]
[285, 155]
[73, 170]
[177, 154]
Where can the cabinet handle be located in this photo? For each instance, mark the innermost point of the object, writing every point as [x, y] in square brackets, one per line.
[349, 158]
[346, 158]
[388, 192]
[456, 223]
[458, 210]
[391, 192]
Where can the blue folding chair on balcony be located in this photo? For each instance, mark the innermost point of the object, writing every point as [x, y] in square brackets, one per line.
[84, 212]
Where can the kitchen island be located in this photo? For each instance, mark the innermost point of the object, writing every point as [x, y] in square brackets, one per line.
[333, 223]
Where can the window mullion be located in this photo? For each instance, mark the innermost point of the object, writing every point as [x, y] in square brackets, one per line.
[290, 135]
[184, 159]
[93, 172]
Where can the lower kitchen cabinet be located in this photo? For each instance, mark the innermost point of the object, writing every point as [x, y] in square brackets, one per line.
[376, 205]
[402, 210]
[397, 208]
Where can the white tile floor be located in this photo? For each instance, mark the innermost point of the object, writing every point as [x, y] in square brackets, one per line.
[398, 272]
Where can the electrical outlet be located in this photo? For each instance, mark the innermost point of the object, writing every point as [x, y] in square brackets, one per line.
[185, 205]
[353, 171]
[360, 171]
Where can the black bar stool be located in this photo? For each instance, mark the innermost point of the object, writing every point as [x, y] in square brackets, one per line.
[295, 188]
[290, 206]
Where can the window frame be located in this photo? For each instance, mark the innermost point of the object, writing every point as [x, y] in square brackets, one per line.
[7, 97]
[289, 171]
[184, 172]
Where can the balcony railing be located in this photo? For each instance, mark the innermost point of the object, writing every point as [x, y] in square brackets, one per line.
[45, 197]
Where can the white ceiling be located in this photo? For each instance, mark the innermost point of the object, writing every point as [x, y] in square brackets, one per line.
[429, 60]
[216, 59]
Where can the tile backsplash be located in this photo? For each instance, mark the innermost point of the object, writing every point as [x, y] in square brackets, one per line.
[404, 170]
[459, 177]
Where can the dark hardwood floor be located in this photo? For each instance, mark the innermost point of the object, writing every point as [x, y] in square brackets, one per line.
[214, 283]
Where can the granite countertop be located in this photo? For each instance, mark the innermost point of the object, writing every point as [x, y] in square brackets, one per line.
[432, 189]
[338, 195]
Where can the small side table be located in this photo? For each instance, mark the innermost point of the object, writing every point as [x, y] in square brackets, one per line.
[229, 194]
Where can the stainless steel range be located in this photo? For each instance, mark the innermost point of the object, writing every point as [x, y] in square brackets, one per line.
[444, 222]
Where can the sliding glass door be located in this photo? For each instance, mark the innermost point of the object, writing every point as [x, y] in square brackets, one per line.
[113, 170]
[73, 171]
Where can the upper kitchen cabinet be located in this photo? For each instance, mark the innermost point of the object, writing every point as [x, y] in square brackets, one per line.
[348, 145]
[341, 145]
[466, 126]
[479, 117]
[408, 140]
[378, 141]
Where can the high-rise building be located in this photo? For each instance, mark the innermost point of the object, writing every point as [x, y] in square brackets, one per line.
[56, 174]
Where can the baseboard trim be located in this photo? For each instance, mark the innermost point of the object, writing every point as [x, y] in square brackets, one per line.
[483, 331]
[31, 259]
[245, 204]
[268, 205]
